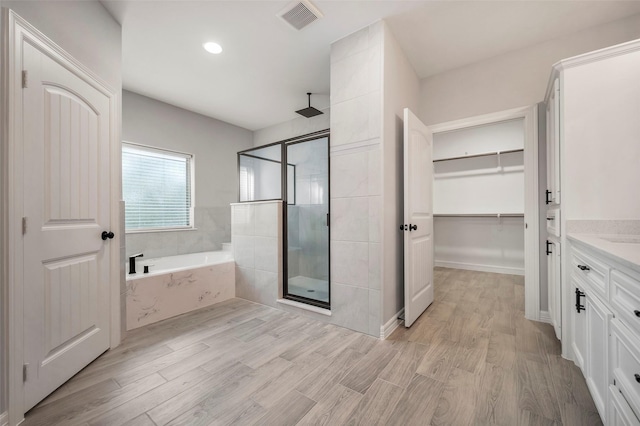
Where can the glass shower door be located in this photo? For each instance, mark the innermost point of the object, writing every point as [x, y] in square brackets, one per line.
[307, 230]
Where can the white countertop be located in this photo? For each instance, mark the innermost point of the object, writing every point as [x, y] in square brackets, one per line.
[623, 248]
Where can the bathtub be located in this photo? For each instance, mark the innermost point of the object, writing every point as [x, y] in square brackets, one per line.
[178, 284]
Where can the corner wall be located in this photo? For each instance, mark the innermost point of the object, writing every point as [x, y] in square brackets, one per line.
[401, 88]
[214, 145]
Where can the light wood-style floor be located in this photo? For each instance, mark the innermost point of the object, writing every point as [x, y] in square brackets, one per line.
[471, 359]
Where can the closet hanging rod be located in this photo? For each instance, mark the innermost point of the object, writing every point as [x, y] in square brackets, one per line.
[485, 154]
[497, 215]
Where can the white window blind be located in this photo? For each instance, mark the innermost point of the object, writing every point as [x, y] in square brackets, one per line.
[157, 188]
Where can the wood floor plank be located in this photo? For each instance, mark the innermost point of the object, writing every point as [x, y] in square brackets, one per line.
[139, 405]
[377, 405]
[496, 404]
[438, 361]
[576, 415]
[335, 409]
[318, 385]
[457, 403]
[85, 407]
[501, 350]
[535, 389]
[418, 402]
[365, 372]
[569, 384]
[402, 368]
[290, 409]
[141, 420]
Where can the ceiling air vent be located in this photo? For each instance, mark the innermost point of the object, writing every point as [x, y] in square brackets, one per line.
[300, 13]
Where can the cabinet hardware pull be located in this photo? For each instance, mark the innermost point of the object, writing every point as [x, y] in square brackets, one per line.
[584, 267]
[551, 218]
[637, 313]
[549, 245]
[579, 294]
[413, 227]
[546, 197]
[637, 376]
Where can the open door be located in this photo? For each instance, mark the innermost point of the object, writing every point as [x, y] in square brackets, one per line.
[418, 218]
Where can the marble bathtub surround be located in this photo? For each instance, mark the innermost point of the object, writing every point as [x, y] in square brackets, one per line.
[151, 299]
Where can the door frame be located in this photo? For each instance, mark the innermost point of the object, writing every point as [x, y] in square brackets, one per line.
[15, 31]
[531, 203]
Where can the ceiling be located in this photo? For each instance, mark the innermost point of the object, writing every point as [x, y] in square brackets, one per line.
[267, 67]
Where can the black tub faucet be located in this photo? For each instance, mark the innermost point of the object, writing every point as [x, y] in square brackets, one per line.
[132, 263]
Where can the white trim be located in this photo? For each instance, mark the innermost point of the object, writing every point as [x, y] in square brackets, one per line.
[481, 268]
[4, 419]
[545, 317]
[16, 31]
[598, 55]
[305, 306]
[390, 326]
[531, 208]
[353, 147]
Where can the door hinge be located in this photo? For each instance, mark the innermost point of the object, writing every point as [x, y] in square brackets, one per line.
[24, 225]
[25, 79]
[25, 368]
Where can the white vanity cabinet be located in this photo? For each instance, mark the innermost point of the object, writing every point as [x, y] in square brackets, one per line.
[606, 331]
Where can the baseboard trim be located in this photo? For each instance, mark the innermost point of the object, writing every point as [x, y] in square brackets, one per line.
[481, 268]
[391, 325]
[545, 317]
[4, 419]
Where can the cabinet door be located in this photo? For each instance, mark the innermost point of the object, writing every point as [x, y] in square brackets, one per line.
[554, 292]
[620, 413]
[553, 145]
[579, 326]
[598, 317]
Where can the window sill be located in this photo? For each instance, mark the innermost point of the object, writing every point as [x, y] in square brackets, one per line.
[153, 231]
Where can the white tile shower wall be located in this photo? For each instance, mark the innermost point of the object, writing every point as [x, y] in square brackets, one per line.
[356, 105]
[255, 231]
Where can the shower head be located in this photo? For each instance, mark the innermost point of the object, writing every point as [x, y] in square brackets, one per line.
[309, 111]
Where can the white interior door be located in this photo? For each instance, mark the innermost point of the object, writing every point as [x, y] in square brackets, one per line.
[418, 218]
[67, 206]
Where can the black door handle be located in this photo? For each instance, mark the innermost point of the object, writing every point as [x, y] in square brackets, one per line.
[548, 245]
[579, 294]
[546, 198]
[108, 235]
[413, 227]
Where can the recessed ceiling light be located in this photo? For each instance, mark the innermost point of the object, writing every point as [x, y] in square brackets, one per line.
[212, 47]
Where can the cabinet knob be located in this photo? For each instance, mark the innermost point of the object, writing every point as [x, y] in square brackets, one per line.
[584, 267]
[637, 313]
[637, 376]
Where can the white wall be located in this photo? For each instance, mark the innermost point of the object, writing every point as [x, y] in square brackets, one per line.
[512, 80]
[90, 34]
[601, 145]
[400, 90]
[214, 145]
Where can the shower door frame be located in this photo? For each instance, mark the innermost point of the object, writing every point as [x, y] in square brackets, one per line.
[285, 223]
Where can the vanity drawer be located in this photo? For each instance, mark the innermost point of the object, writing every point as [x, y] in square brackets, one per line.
[625, 363]
[620, 413]
[625, 299]
[592, 271]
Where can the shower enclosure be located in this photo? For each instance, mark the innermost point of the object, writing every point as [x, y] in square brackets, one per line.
[295, 171]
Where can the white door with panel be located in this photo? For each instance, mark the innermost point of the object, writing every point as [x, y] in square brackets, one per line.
[418, 218]
[597, 359]
[66, 208]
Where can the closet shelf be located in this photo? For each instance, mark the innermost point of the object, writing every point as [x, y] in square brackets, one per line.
[497, 215]
[484, 154]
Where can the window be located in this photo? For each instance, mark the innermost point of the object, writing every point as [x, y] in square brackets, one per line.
[157, 187]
